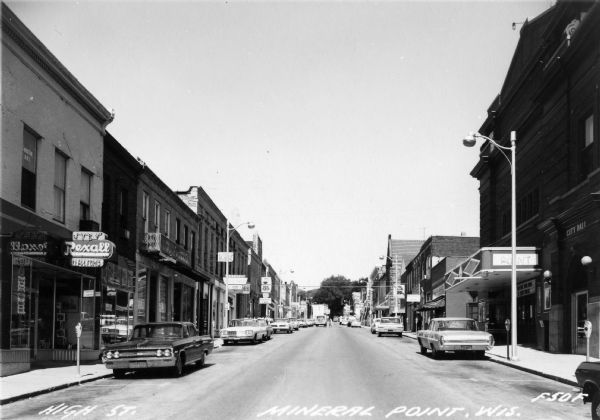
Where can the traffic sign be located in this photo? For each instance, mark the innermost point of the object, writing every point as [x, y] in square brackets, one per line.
[265, 288]
[265, 280]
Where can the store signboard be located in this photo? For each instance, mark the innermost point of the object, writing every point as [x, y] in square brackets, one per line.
[30, 243]
[264, 301]
[235, 279]
[89, 249]
[225, 256]
[246, 289]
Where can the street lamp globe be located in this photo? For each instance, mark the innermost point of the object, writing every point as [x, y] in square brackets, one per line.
[586, 260]
[469, 141]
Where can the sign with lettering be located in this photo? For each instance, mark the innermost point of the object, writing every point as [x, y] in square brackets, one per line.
[265, 288]
[89, 249]
[575, 229]
[32, 243]
[235, 279]
[522, 259]
[526, 288]
[225, 256]
[235, 287]
[264, 301]
[246, 289]
[265, 280]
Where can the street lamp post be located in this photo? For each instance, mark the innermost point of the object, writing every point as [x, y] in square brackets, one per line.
[250, 226]
[470, 141]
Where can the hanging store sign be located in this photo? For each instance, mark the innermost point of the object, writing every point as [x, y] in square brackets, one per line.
[413, 298]
[264, 301]
[235, 287]
[225, 256]
[246, 289]
[89, 249]
[235, 279]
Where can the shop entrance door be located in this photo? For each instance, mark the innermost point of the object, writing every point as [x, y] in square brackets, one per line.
[580, 312]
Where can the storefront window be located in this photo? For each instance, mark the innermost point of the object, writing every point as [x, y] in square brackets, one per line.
[141, 291]
[87, 314]
[162, 302]
[21, 320]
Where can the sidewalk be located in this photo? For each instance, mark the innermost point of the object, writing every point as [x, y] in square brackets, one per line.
[52, 377]
[558, 367]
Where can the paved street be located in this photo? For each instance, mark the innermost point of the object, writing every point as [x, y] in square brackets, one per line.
[330, 372]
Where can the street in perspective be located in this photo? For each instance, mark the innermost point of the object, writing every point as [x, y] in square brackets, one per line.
[267, 210]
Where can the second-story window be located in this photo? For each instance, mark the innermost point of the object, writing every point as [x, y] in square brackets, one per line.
[167, 229]
[145, 210]
[85, 194]
[185, 237]
[29, 169]
[60, 185]
[123, 207]
[156, 217]
[587, 144]
[177, 230]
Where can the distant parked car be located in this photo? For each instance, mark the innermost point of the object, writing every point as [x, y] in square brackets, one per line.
[169, 345]
[295, 324]
[282, 325]
[391, 325]
[310, 322]
[302, 323]
[355, 323]
[374, 324]
[454, 334]
[588, 378]
[349, 321]
[267, 325]
[250, 330]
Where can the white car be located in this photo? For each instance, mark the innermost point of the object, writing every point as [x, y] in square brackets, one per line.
[294, 322]
[355, 323]
[391, 325]
[283, 325]
[244, 330]
[374, 324]
[454, 334]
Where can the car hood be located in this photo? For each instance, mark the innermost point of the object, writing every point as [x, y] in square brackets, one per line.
[142, 343]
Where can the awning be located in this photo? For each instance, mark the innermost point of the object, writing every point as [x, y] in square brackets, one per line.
[491, 268]
[432, 305]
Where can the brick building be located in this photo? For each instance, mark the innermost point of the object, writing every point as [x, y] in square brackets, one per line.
[550, 100]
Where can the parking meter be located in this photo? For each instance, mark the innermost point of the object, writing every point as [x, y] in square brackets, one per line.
[78, 333]
[78, 329]
[587, 329]
[507, 326]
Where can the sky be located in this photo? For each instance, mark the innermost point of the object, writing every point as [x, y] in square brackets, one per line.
[328, 124]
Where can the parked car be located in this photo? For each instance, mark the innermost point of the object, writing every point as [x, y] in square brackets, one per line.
[282, 325]
[250, 330]
[168, 345]
[294, 323]
[390, 325]
[302, 323]
[267, 324]
[343, 320]
[310, 322]
[115, 330]
[355, 323]
[374, 324]
[454, 334]
[349, 321]
[588, 378]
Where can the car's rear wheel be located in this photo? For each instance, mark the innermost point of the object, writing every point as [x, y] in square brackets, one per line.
[400, 335]
[423, 350]
[378, 334]
[436, 353]
[119, 373]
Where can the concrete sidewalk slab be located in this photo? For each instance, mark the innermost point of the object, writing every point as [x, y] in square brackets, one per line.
[48, 379]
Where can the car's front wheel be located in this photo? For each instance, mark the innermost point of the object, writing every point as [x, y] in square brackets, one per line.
[436, 353]
[177, 370]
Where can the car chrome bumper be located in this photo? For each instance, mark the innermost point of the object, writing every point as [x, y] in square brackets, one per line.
[244, 338]
[466, 347]
[139, 363]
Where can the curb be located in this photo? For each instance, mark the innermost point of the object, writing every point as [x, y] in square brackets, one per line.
[524, 369]
[52, 389]
[535, 372]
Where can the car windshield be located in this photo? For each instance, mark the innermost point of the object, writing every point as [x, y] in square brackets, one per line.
[390, 321]
[458, 324]
[242, 323]
[157, 331]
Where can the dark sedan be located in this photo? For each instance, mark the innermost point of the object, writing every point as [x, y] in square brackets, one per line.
[168, 345]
